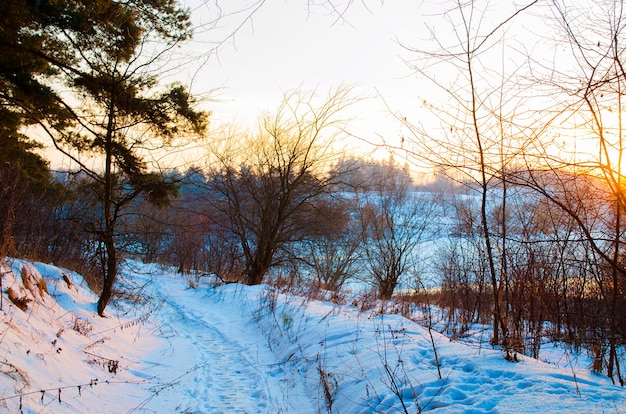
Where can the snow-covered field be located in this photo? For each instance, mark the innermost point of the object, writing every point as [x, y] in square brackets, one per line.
[235, 349]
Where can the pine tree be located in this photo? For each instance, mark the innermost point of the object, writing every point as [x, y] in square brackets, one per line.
[87, 73]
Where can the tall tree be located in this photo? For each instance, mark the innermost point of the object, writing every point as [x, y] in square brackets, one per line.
[587, 177]
[24, 173]
[479, 123]
[98, 76]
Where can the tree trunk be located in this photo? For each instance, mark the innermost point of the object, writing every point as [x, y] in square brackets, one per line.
[110, 275]
[259, 265]
[386, 288]
[255, 274]
[498, 323]
[110, 272]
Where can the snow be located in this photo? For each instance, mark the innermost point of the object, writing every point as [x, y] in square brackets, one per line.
[168, 348]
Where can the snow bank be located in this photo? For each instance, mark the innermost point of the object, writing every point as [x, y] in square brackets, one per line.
[56, 354]
[240, 349]
[355, 362]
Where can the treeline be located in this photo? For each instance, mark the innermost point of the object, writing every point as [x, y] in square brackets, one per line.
[219, 223]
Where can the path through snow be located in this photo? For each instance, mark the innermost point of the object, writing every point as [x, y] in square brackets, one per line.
[213, 359]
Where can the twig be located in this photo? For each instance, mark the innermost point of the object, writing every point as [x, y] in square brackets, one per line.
[90, 384]
[573, 372]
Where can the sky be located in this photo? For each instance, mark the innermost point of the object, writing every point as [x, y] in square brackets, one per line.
[281, 45]
[244, 61]
[286, 45]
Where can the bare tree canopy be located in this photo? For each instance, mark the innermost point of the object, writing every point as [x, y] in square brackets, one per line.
[268, 179]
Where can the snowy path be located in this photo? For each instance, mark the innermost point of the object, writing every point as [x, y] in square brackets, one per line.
[202, 348]
[213, 360]
[225, 352]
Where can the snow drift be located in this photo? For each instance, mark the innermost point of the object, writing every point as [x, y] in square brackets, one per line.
[170, 348]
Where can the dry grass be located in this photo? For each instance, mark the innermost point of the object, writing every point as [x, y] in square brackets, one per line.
[19, 300]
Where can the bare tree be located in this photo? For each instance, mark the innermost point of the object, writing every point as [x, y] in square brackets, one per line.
[331, 249]
[393, 219]
[478, 126]
[266, 181]
[462, 266]
[584, 179]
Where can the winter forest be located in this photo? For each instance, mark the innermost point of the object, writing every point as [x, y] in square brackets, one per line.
[495, 216]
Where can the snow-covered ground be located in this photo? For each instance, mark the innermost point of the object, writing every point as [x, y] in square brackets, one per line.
[171, 348]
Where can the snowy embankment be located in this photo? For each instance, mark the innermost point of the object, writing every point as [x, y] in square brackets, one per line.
[57, 355]
[237, 349]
